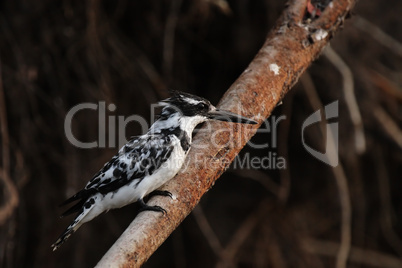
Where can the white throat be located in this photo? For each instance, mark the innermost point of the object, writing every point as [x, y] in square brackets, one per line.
[188, 124]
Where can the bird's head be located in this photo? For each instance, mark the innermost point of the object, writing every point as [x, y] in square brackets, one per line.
[198, 110]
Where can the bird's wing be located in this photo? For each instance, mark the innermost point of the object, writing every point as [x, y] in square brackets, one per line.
[135, 160]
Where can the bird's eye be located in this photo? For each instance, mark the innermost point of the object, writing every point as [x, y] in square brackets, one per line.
[203, 106]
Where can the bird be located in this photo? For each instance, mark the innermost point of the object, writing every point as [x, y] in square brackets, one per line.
[146, 162]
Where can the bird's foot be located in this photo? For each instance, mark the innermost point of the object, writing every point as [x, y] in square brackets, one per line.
[145, 207]
[161, 193]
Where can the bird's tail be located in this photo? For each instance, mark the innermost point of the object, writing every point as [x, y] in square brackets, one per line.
[77, 222]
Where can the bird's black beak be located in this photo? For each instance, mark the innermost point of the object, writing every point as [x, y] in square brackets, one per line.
[229, 117]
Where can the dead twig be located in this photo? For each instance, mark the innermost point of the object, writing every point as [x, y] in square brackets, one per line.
[11, 194]
[207, 230]
[340, 178]
[389, 126]
[357, 255]
[386, 211]
[169, 37]
[285, 185]
[287, 52]
[228, 254]
[385, 85]
[350, 99]
[379, 35]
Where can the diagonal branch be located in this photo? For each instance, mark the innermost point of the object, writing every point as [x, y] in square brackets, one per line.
[290, 48]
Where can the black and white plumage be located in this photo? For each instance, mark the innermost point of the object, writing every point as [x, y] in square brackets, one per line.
[146, 162]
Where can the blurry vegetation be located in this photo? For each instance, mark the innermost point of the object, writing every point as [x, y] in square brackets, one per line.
[56, 54]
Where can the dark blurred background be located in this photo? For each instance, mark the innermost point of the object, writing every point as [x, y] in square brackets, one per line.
[57, 54]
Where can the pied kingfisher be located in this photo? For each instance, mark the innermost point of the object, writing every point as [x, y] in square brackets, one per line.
[146, 162]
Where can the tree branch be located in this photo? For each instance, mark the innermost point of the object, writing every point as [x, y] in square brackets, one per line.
[290, 48]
